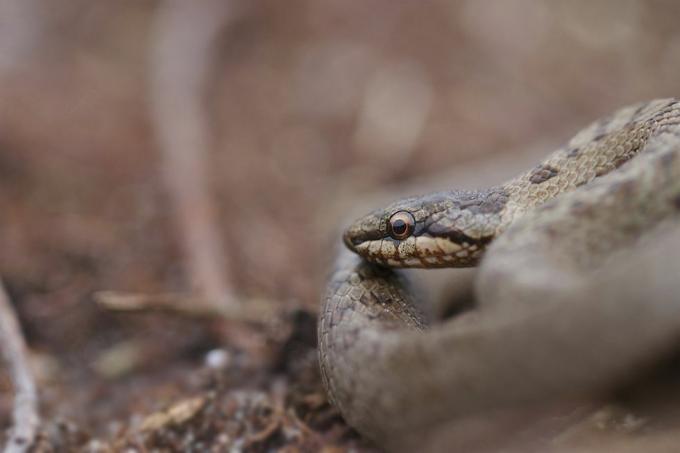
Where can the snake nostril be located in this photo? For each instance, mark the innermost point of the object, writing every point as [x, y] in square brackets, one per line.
[349, 240]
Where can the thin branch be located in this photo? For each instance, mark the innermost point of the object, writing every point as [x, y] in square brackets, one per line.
[257, 310]
[25, 413]
[182, 56]
[21, 30]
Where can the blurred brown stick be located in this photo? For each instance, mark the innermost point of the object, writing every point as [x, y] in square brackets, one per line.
[257, 310]
[182, 57]
[21, 27]
[25, 412]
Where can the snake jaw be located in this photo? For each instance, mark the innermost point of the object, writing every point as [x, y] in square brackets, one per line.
[419, 252]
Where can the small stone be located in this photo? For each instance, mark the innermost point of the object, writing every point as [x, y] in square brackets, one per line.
[217, 359]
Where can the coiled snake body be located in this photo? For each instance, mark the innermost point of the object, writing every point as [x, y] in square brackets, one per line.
[547, 239]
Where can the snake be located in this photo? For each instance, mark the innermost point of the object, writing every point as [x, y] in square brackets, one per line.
[557, 291]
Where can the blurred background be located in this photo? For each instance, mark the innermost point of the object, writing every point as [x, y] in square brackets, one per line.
[215, 147]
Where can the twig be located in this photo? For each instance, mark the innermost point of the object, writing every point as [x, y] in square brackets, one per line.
[25, 412]
[257, 310]
[181, 60]
[21, 32]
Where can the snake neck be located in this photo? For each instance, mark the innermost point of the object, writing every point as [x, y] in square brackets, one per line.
[454, 228]
[595, 151]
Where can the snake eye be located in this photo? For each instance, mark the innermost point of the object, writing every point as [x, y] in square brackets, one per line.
[401, 225]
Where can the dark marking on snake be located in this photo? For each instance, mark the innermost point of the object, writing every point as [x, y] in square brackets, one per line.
[455, 236]
[461, 238]
[542, 173]
[599, 137]
[622, 160]
[485, 202]
[669, 107]
[577, 207]
[573, 152]
[668, 158]
[602, 171]
[669, 128]
[627, 187]
[494, 202]
[639, 110]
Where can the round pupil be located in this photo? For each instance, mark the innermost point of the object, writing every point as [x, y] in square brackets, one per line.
[399, 226]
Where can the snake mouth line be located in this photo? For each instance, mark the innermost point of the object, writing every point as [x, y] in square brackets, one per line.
[353, 240]
[422, 251]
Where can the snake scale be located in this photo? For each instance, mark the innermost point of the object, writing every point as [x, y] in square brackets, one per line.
[551, 245]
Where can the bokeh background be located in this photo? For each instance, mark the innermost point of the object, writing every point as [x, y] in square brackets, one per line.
[290, 113]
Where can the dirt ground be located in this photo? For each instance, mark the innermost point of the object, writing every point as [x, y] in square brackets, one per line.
[310, 107]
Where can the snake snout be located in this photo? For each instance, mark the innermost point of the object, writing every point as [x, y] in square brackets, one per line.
[365, 229]
[354, 237]
[350, 241]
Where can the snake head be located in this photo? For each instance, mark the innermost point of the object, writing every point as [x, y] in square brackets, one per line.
[444, 229]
